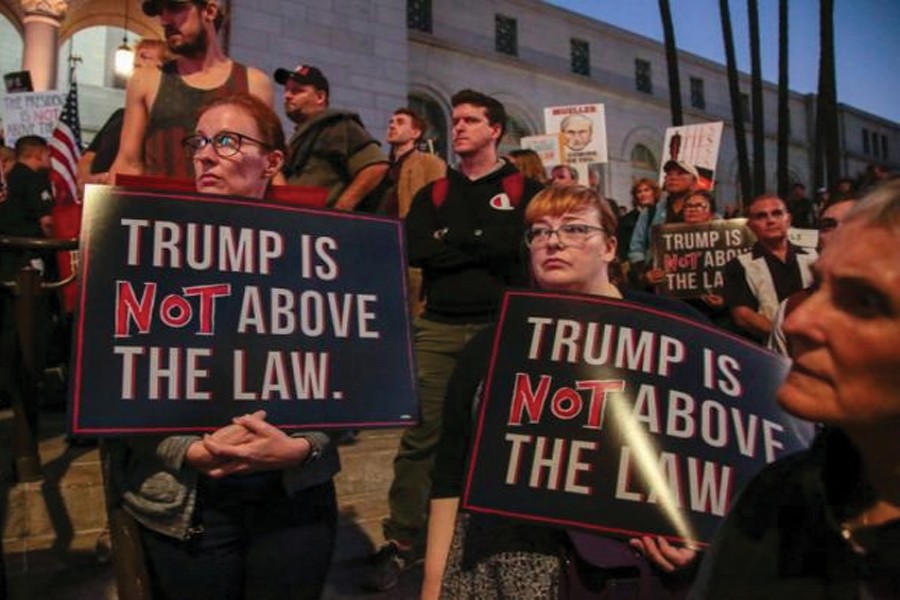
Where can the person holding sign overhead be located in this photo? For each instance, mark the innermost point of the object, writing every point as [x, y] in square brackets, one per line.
[571, 241]
[249, 511]
[825, 523]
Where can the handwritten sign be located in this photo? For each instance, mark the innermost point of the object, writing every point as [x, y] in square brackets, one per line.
[694, 256]
[194, 309]
[33, 113]
[611, 416]
[695, 144]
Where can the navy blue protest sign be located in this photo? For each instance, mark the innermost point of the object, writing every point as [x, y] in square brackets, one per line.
[195, 309]
[613, 417]
[694, 256]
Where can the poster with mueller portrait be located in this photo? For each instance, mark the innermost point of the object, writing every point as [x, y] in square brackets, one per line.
[697, 145]
[620, 418]
[194, 309]
[693, 256]
[548, 147]
[583, 127]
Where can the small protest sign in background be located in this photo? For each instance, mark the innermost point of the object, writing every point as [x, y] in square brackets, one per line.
[30, 113]
[195, 309]
[613, 417]
[694, 256]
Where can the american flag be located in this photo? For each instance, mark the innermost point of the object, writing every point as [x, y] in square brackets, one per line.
[65, 145]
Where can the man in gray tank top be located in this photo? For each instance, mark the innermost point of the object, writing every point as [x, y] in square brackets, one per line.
[161, 105]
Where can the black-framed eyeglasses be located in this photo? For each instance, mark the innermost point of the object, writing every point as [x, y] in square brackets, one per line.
[828, 224]
[570, 234]
[696, 205]
[763, 215]
[225, 143]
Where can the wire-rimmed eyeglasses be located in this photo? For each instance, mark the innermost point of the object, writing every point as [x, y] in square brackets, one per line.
[570, 234]
[225, 143]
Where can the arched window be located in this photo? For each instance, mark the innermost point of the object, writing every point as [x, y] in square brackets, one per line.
[643, 163]
[437, 123]
[642, 159]
[515, 131]
[96, 46]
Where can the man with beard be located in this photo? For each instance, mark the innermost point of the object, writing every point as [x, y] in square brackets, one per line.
[161, 105]
[410, 168]
[330, 148]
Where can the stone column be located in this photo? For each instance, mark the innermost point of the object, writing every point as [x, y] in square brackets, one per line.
[42, 21]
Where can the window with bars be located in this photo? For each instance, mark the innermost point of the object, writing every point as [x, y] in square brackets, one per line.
[865, 140]
[418, 15]
[581, 57]
[643, 77]
[698, 95]
[505, 29]
[884, 146]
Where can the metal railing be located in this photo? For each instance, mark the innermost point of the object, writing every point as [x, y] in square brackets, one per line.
[25, 288]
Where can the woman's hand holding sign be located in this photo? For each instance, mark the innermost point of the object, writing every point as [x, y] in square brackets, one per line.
[664, 555]
[264, 447]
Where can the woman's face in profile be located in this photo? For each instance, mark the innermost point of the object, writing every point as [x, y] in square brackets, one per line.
[846, 336]
[246, 168]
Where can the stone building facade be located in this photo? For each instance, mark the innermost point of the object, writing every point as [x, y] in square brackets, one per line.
[381, 54]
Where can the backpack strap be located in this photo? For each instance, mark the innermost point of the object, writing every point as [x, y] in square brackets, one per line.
[514, 187]
[439, 191]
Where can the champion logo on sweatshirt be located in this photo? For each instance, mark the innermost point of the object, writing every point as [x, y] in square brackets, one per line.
[501, 202]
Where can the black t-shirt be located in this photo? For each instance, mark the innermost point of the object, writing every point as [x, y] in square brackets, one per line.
[106, 143]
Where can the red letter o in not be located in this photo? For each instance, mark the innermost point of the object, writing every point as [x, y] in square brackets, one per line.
[566, 404]
[175, 311]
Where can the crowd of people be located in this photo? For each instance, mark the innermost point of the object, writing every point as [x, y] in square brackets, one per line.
[249, 511]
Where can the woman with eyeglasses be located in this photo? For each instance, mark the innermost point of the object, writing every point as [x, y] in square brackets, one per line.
[249, 511]
[571, 243]
[825, 523]
[699, 207]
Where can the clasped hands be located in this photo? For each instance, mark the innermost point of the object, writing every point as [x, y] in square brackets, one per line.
[247, 445]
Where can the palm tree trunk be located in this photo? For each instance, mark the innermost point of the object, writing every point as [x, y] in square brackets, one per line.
[784, 113]
[826, 114]
[734, 91]
[665, 13]
[759, 130]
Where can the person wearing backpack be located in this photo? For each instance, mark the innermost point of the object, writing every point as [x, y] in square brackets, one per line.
[465, 232]
[330, 148]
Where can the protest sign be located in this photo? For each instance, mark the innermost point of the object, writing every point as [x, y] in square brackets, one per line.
[697, 145]
[548, 148]
[31, 113]
[614, 417]
[583, 127]
[694, 256]
[195, 309]
[805, 238]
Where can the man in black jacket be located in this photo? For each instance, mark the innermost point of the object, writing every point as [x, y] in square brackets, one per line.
[465, 232]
